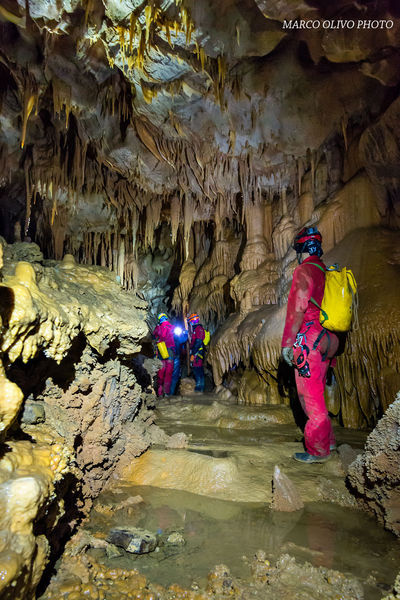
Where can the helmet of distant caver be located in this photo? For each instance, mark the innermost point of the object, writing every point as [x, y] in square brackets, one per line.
[194, 319]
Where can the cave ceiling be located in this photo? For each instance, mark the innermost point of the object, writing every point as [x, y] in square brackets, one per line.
[117, 108]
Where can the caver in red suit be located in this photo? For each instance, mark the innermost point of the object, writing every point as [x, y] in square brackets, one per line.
[164, 332]
[309, 346]
[197, 351]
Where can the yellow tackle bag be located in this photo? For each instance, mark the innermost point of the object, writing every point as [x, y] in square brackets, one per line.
[207, 336]
[163, 350]
[339, 300]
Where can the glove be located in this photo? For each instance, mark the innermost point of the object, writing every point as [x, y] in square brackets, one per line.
[288, 356]
[192, 358]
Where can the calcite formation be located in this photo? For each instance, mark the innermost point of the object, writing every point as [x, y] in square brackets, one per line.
[29, 473]
[97, 413]
[172, 148]
[181, 144]
[63, 317]
[374, 475]
[46, 308]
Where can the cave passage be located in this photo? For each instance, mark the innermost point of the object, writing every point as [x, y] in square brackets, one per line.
[207, 503]
[167, 157]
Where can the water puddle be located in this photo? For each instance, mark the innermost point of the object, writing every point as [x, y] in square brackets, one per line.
[217, 531]
[209, 528]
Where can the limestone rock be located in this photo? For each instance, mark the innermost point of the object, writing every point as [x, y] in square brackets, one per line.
[374, 476]
[187, 386]
[133, 539]
[347, 455]
[178, 440]
[285, 496]
[33, 413]
[176, 539]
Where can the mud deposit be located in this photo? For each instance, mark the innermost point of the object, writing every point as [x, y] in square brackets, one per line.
[221, 515]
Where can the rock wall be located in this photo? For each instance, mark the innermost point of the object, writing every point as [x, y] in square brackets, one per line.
[374, 475]
[71, 401]
[367, 373]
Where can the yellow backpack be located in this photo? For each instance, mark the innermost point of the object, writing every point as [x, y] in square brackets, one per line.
[339, 300]
[207, 336]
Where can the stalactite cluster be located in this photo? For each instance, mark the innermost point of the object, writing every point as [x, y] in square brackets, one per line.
[121, 120]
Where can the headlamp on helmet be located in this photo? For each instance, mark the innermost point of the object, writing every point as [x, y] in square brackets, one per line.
[193, 319]
[162, 317]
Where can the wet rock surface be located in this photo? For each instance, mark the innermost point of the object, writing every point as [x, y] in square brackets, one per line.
[284, 580]
[302, 553]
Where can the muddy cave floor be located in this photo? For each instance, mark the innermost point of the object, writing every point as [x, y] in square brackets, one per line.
[216, 493]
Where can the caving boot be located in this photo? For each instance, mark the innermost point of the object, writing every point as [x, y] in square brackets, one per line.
[305, 457]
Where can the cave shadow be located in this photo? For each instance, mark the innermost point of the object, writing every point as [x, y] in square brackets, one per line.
[239, 256]
[287, 387]
[6, 305]
[31, 377]
[61, 528]
[143, 377]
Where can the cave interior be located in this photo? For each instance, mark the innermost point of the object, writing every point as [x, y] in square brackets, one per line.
[160, 156]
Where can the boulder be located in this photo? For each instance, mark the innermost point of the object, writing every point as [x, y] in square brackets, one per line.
[133, 539]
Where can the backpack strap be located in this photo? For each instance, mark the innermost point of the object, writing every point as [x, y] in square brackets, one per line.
[316, 265]
[324, 314]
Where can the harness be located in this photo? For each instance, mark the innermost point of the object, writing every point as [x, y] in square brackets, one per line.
[317, 341]
[301, 350]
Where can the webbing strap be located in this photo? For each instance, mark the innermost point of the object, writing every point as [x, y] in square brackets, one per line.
[324, 314]
[316, 265]
[317, 341]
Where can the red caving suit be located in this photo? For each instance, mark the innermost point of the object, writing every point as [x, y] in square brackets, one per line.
[197, 338]
[309, 281]
[165, 333]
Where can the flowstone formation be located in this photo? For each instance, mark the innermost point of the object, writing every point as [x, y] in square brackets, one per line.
[69, 404]
[366, 377]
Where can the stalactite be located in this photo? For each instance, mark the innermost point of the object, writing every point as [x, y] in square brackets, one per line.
[153, 213]
[61, 99]
[344, 123]
[28, 195]
[187, 222]
[135, 226]
[114, 252]
[175, 217]
[30, 100]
